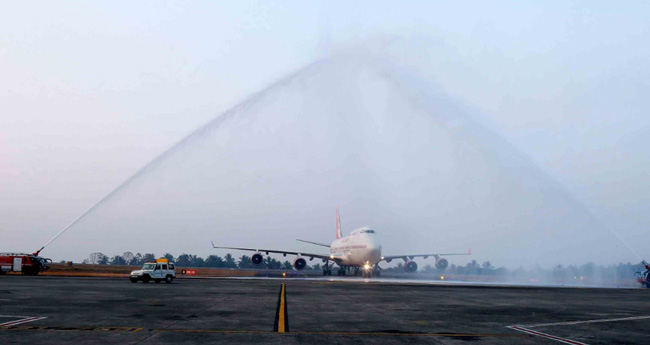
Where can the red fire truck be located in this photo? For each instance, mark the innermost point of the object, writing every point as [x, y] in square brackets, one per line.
[27, 264]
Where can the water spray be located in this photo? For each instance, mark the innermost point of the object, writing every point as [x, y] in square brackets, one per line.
[396, 79]
[197, 133]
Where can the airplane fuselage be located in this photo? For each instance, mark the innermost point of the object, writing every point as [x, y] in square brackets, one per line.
[359, 248]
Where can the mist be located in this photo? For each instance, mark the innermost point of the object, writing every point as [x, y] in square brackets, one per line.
[361, 133]
[432, 139]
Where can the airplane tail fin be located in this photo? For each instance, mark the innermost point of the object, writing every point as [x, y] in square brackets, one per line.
[338, 224]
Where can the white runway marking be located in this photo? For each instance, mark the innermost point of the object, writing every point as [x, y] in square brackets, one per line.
[590, 321]
[547, 336]
[24, 319]
[527, 329]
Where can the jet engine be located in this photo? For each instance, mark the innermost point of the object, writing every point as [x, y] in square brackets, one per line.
[411, 266]
[441, 263]
[299, 263]
[257, 259]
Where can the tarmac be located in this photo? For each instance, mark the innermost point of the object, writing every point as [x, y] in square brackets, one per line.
[67, 310]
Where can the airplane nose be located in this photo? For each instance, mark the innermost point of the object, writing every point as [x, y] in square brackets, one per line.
[375, 249]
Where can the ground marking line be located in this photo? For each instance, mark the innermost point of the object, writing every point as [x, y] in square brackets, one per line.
[588, 321]
[23, 320]
[60, 328]
[547, 336]
[281, 322]
[526, 329]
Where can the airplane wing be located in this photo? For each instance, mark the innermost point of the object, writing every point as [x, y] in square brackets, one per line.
[324, 257]
[316, 243]
[406, 257]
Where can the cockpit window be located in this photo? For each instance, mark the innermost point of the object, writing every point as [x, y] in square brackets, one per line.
[368, 231]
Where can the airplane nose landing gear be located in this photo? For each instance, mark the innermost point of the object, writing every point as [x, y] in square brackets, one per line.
[368, 270]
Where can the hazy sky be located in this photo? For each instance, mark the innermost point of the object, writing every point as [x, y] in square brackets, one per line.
[91, 92]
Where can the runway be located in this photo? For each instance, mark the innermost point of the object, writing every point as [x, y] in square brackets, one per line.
[55, 310]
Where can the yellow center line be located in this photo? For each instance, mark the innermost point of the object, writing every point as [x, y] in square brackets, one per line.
[281, 316]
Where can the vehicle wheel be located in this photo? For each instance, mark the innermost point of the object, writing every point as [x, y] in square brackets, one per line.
[647, 281]
[168, 279]
[30, 273]
[133, 280]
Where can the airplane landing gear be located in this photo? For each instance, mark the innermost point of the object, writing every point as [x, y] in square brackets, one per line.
[367, 272]
[326, 269]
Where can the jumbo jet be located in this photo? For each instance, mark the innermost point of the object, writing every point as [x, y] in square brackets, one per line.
[359, 252]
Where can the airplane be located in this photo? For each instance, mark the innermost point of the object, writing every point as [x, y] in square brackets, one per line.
[359, 251]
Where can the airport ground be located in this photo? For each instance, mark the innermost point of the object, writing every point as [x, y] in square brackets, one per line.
[85, 270]
[76, 310]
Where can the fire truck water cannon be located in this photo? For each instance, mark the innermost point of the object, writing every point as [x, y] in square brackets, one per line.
[27, 264]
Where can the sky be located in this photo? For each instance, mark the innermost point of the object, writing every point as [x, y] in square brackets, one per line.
[527, 140]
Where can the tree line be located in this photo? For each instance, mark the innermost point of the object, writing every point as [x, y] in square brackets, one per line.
[189, 260]
[556, 274]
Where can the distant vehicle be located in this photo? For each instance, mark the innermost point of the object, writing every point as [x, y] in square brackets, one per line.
[27, 264]
[161, 270]
[359, 251]
[644, 277]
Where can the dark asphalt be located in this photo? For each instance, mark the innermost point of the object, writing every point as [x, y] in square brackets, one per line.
[225, 311]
